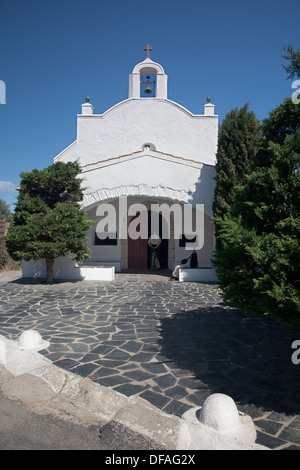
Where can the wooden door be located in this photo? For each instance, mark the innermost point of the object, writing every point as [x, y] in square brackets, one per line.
[137, 253]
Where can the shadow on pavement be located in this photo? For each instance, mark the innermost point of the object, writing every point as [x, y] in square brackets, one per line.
[233, 352]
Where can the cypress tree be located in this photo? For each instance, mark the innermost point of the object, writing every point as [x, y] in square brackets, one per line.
[258, 267]
[238, 142]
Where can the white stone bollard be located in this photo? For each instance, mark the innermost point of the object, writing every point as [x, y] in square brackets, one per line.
[217, 425]
[219, 412]
[32, 340]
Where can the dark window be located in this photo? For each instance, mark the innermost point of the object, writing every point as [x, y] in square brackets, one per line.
[108, 241]
[183, 240]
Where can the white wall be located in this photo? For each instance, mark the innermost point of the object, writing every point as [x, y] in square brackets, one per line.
[145, 169]
[63, 268]
[127, 126]
[100, 252]
[150, 174]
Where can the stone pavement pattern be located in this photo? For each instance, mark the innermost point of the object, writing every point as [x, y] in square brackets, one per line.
[173, 344]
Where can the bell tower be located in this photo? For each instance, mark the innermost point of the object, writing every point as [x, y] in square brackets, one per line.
[148, 79]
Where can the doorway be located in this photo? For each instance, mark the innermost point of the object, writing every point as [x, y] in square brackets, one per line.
[139, 252]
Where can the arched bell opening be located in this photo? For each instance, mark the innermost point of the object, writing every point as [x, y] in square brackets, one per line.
[149, 76]
[148, 85]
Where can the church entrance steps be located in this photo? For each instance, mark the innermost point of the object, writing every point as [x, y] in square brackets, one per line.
[197, 275]
[144, 275]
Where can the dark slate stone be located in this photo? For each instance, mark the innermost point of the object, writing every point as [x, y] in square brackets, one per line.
[85, 370]
[155, 398]
[129, 389]
[165, 381]
[138, 375]
[67, 364]
[177, 408]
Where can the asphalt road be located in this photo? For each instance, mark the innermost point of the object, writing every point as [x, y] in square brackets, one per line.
[22, 429]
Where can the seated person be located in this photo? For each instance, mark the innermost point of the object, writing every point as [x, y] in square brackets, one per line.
[193, 264]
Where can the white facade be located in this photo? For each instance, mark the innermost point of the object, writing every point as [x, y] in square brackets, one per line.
[149, 150]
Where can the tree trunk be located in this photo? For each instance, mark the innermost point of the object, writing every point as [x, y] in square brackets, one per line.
[49, 270]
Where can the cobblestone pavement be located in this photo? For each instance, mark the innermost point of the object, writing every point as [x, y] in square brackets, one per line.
[171, 343]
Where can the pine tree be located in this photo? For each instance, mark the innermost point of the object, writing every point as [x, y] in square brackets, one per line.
[293, 69]
[48, 221]
[239, 140]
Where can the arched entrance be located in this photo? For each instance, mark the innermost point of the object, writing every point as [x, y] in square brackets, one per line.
[139, 252]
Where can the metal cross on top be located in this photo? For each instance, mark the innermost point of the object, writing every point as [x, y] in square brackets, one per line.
[148, 49]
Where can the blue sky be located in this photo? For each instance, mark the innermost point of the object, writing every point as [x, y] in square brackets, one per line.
[55, 53]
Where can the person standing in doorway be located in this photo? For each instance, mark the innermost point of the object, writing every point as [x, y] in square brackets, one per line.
[154, 242]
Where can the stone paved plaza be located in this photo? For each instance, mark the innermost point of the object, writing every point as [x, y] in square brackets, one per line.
[171, 343]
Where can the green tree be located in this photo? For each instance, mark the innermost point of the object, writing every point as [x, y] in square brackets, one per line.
[238, 142]
[258, 267]
[48, 221]
[293, 69]
[282, 121]
[4, 210]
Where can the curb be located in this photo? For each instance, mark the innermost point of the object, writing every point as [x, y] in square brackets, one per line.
[28, 376]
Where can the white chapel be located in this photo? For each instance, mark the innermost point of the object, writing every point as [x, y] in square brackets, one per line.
[143, 153]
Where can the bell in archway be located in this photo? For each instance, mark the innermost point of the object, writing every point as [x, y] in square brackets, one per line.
[148, 90]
